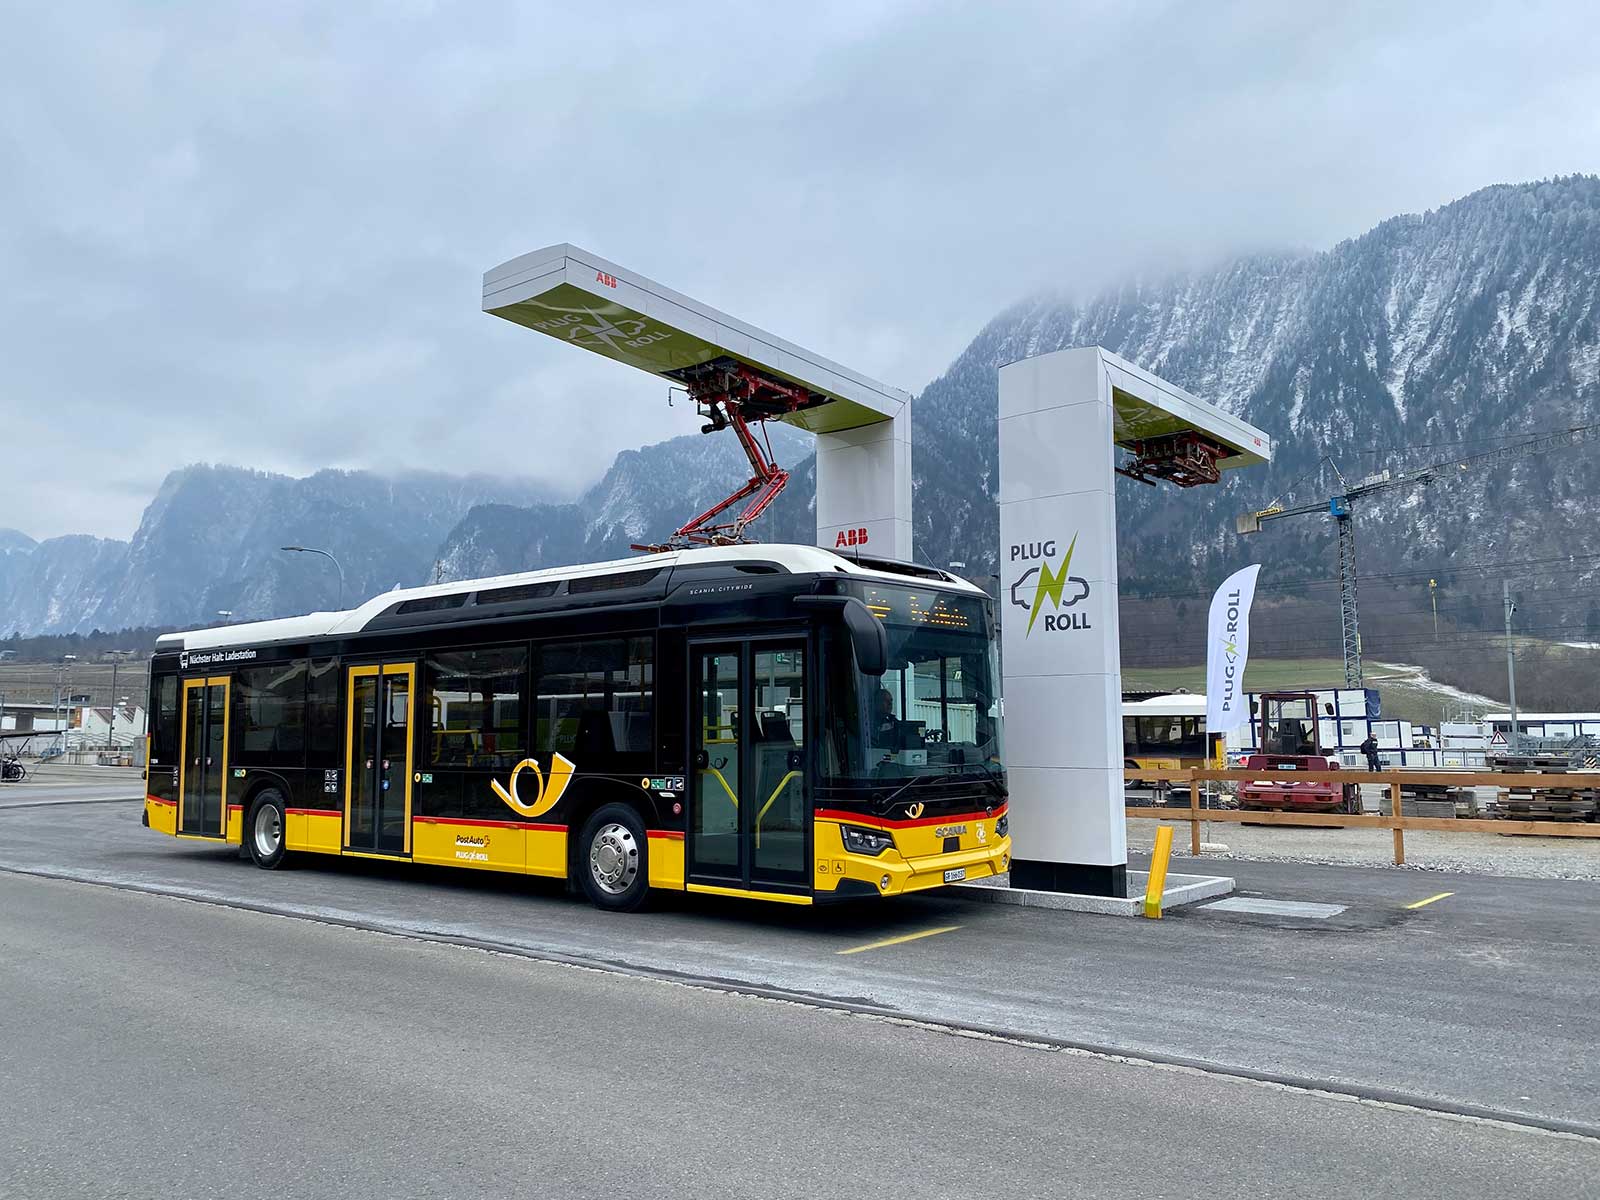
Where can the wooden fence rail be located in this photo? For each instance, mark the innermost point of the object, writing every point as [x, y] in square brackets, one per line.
[1397, 821]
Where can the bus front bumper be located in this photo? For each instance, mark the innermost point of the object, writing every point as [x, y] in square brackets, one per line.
[840, 873]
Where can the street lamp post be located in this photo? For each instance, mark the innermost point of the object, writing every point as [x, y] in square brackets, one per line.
[326, 555]
[63, 671]
[111, 725]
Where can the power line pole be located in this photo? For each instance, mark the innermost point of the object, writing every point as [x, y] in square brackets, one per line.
[1349, 619]
[111, 726]
[1511, 665]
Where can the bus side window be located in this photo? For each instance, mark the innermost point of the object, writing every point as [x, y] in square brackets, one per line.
[162, 775]
[164, 731]
[269, 706]
[324, 727]
[472, 706]
[596, 704]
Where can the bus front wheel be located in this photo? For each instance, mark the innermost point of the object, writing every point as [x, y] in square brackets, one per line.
[264, 830]
[612, 859]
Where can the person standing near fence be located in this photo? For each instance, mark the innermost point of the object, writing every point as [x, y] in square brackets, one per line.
[1370, 749]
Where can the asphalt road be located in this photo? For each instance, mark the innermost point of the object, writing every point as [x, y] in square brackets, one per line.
[55, 782]
[157, 1048]
[1482, 1001]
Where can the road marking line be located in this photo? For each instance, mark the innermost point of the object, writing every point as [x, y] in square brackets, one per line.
[895, 941]
[1430, 900]
[1276, 908]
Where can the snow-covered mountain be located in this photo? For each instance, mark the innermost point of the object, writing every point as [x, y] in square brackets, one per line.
[209, 542]
[1441, 332]
[1428, 338]
[641, 499]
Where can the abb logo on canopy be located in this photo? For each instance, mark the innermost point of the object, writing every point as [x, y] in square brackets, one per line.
[609, 280]
[851, 537]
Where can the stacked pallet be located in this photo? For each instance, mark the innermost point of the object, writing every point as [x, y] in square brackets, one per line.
[1424, 800]
[1573, 795]
[1548, 804]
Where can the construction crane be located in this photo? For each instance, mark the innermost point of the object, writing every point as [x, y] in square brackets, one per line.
[1342, 505]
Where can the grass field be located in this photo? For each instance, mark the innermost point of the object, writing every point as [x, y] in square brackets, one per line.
[1404, 697]
[36, 682]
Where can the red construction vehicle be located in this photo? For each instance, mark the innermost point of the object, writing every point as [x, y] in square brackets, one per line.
[1289, 743]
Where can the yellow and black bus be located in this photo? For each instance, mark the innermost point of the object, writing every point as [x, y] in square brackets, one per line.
[1168, 733]
[777, 722]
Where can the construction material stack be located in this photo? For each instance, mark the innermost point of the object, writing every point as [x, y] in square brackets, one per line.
[1431, 800]
[1573, 794]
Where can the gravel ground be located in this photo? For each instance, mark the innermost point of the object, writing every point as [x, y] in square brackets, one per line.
[1475, 853]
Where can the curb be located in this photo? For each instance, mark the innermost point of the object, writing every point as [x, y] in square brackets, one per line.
[1180, 890]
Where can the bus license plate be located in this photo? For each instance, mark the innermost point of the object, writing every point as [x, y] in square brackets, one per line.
[955, 876]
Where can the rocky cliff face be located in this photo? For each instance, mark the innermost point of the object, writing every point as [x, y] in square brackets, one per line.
[210, 542]
[1444, 332]
[644, 496]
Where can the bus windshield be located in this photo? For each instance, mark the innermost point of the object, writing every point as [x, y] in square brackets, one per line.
[936, 709]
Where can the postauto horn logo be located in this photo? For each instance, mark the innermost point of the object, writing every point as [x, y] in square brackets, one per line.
[1048, 583]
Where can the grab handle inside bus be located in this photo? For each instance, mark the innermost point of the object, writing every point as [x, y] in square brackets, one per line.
[867, 638]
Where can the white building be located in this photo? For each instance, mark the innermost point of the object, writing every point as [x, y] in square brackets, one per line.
[93, 727]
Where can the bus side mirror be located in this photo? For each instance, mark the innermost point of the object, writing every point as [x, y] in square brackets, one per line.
[867, 638]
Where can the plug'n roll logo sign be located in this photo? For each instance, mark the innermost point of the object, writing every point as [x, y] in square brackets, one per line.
[1045, 582]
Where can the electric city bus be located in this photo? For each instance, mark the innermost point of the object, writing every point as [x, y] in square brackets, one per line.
[778, 722]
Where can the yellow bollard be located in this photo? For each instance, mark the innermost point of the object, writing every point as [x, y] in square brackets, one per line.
[1158, 872]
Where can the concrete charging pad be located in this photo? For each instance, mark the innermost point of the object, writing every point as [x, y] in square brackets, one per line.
[1179, 890]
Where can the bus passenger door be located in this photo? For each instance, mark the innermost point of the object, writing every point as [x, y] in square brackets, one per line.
[750, 814]
[202, 765]
[377, 790]
[717, 759]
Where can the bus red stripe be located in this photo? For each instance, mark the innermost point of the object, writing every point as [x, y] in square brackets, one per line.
[834, 814]
[317, 812]
[159, 800]
[673, 834]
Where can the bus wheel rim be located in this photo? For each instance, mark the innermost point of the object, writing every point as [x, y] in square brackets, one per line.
[614, 858]
[268, 831]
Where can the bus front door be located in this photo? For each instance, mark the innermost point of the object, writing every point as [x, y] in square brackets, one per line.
[749, 809]
[377, 790]
[202, 770]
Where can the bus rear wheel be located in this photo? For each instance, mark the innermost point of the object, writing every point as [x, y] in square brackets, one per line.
[612, 857]
[264, 830]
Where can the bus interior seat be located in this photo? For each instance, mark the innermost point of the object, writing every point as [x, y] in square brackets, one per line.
[631, 731]
[775, 727]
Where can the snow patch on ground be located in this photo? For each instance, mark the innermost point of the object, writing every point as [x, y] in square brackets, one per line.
[1419, 678]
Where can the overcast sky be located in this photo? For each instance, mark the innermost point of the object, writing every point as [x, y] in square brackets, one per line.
[256, 234]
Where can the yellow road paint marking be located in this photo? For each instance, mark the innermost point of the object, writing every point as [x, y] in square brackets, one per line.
[895, 941]
[1430, 900]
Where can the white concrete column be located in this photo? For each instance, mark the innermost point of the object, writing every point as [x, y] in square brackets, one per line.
[864, 488]
[1061, 655]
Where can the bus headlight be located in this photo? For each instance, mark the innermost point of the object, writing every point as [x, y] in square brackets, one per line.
[1003, 825]
[865, 841]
